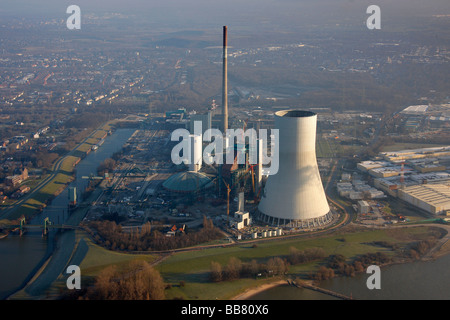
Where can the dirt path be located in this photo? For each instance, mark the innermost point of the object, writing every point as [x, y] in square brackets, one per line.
[252, 291]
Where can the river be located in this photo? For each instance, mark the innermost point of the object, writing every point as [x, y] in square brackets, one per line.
[419, 280]
[21, 257]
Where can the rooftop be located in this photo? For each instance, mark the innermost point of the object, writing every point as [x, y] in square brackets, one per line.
[187, 181]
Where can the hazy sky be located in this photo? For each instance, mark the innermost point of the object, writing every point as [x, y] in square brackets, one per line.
[205, 13]
[226, 7]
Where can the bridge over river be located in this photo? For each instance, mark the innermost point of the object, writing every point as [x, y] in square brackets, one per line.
[45, 226]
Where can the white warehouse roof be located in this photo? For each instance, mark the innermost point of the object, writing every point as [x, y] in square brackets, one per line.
[434, 198]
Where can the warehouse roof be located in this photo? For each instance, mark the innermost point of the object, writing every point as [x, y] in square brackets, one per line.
[437, 195]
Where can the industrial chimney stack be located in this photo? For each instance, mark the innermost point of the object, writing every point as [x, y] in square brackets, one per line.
[224, 82]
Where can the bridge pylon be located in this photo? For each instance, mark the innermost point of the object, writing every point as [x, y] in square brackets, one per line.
[47, 223]
[22, 223]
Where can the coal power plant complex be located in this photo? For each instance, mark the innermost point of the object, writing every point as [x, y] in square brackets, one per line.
[295, 196]
[259, 182]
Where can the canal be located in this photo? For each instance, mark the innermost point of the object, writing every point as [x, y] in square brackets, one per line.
[21, 257]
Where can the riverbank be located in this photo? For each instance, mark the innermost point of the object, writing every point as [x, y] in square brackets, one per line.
[252, 291]
[61, 176]
[440, 249]
[21, 294]
[35, 277]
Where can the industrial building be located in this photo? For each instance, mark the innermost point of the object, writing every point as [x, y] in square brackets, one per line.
[396, 156]
[294, 196]
[363, 207]
[240, 220]
[365, 166]
[419, 176]
[196, 152]
[433, 198]
[204, 119]
[187, 182]
[358, 190]
[415, 110]
[241, 217]
[391, 185]
[390, 171]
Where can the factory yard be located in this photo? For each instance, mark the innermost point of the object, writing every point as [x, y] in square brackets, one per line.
[133, 193]
[140, 189]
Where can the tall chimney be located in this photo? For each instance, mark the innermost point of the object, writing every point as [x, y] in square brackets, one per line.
[225, 81]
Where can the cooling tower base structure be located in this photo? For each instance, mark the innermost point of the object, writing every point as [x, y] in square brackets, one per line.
[294, 196]
[296, 223]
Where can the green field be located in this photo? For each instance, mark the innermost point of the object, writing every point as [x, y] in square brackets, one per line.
[193, 267]
[331, 148]
[324, 149]
[97, 258]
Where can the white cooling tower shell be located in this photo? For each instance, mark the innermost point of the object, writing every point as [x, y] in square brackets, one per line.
[294, 196]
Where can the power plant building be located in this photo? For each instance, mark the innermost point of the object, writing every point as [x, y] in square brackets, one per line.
[187, 182]
[205, 119]
[196, 150]
[294, 196]
[241, 217]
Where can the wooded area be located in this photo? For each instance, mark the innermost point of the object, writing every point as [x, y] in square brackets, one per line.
[110, 235]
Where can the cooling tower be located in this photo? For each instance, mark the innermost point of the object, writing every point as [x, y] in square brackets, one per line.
[294, 196]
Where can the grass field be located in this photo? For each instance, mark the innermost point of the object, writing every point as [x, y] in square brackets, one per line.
[98, 258]
[69, 163]
[193, 267]
[324, 148]
[330, 148]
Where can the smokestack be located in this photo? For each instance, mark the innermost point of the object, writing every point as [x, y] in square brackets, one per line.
[225, 81]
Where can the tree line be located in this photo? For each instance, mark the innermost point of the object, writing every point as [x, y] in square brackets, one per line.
[137, 281]
[337, 265]
[111, 235]
[236, 269]
[334, 265]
